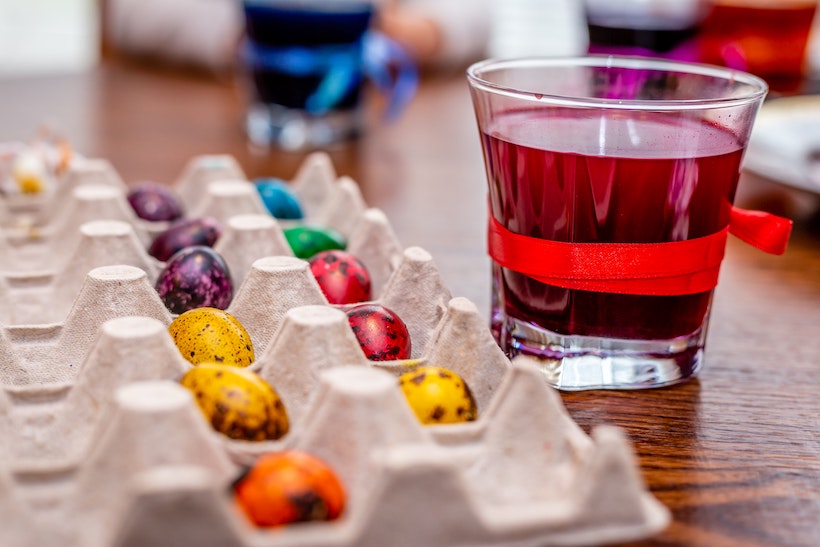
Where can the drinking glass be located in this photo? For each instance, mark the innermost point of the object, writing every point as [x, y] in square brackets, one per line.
[306, 64]
[611, 181]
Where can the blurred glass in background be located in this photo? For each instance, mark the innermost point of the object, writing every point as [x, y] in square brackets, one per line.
[306, 63]
[657, 28]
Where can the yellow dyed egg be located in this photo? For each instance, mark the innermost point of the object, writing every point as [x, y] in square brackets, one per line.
[438, 396]
[211, 335]
[237, 402]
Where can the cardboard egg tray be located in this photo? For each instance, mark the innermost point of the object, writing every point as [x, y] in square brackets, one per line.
[102, 447]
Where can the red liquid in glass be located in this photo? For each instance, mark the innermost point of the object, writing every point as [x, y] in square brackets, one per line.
[548, 178]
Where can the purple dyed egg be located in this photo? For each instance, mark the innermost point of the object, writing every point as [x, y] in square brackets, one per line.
[195, 277]
[152, 201]
[185, 233]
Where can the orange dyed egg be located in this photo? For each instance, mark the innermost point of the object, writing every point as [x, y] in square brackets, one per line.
[290, 486]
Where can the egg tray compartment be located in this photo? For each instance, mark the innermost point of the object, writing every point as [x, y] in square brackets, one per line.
[43, 272]
[152, 472]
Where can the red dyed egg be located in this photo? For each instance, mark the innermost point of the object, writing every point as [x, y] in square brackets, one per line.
[342, 277]
[382, 334]
[290, 486]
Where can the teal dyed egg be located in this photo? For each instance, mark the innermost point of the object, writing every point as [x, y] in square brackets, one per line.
[306, 241]
[279, 199]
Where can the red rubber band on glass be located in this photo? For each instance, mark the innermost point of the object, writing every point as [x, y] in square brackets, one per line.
[663, 269]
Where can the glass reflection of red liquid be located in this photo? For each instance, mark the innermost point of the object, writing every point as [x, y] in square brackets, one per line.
[548, 178]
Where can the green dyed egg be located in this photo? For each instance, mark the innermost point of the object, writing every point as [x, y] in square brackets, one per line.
[306, 241]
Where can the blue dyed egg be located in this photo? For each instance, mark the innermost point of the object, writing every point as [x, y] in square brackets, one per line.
[152, 201]
[195, 277]
[185, 233]
[279, 199]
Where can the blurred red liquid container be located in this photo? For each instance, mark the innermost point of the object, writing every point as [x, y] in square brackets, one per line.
[765, 37]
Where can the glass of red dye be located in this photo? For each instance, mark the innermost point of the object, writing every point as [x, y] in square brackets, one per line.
[611, 181]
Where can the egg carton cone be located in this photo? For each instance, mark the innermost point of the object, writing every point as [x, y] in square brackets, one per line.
[36, 355]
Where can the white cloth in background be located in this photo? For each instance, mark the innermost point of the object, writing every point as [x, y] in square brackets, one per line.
[523, 28]
[200, 32]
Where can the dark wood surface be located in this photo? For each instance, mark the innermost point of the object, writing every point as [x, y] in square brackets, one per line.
[734, 454]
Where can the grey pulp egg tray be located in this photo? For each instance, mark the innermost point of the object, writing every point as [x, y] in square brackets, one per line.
[102, 446]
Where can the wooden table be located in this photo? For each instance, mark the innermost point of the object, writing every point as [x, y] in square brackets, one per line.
[734, 454]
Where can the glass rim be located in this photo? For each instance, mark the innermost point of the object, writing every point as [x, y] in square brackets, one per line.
[758, 86]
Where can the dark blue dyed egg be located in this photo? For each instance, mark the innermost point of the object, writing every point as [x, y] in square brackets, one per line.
[279, 199]
[195, 277]
[152, 201]
[185, 233]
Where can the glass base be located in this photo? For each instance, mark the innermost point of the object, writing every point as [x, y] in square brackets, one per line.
[572, 362]
[271, 125]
